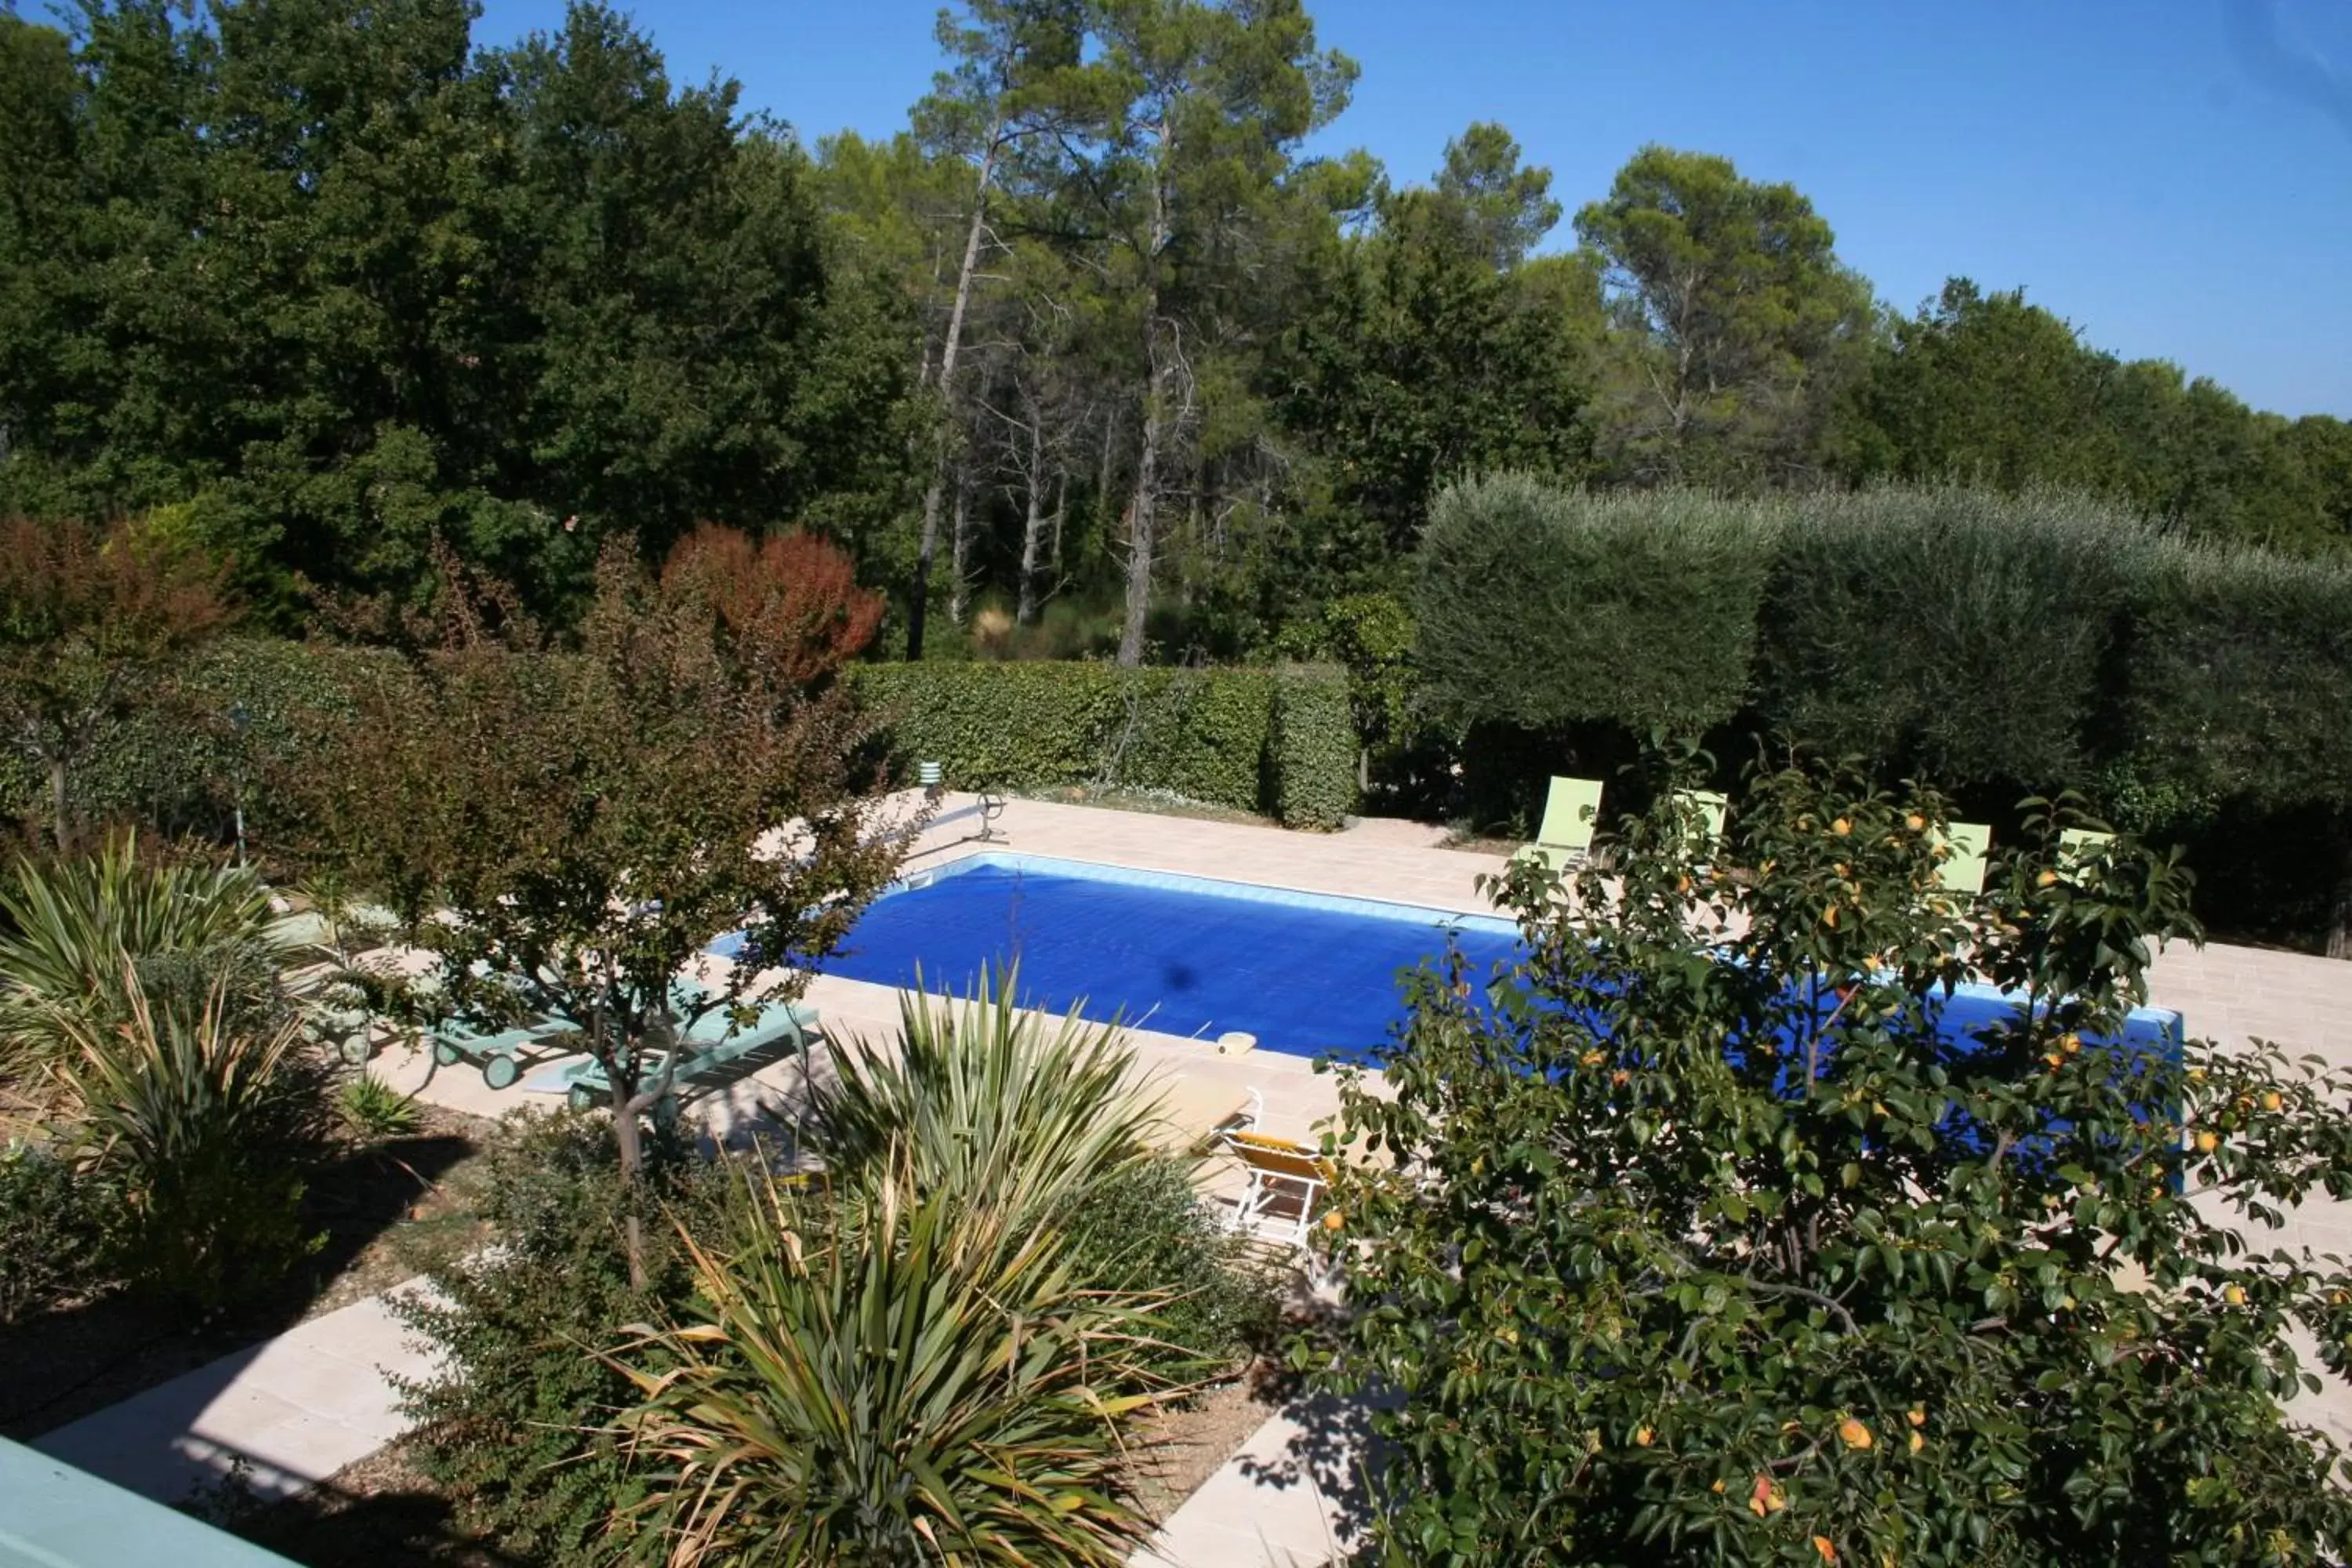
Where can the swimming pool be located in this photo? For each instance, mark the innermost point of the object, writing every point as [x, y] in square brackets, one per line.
[1308, 973]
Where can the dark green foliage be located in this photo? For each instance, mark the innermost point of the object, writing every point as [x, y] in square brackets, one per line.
[1145, 1229]
[1640, 1298]
[1199, 733]
[1314, 746]
[1947, 632]
[1540, 607]
[234, 716]
[1427, 354]
[514, 1429]
[513, 298]
[52, 1233]
[2241, 675]
[1986, 389]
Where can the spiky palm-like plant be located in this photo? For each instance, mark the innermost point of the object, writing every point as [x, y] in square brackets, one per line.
[83, 935]
[985, 1101]
[903, 1378]
[202, 1123]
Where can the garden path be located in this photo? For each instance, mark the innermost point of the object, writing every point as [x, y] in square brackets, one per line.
[1287, 1499]
[280, 1415]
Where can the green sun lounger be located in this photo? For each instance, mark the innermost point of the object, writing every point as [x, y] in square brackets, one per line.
[495, 1052]
[1570, 810]
[712, 1042]
[1963, 871]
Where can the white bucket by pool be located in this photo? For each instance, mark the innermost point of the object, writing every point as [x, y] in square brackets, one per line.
[1234, 1042]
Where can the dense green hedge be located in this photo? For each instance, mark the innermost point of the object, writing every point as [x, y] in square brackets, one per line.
[1994, 644]
[1955, 634]
[2241, 676]
[1314, 746]
[1542, 606]
[1204, 734]
[192, 749]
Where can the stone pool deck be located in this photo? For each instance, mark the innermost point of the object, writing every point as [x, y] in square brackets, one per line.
[2226, 993]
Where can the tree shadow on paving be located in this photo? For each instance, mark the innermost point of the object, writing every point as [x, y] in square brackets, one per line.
[61, 1365]
[1333, 1451]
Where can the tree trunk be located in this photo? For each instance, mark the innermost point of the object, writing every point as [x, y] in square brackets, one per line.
[57, 799]
[929, 546]
[1103, 474]
[960, 556]
[1140, 520]
[2339, 907]
[1033, 525]
[631, 1149]
[1159, 360]
[1061, 509]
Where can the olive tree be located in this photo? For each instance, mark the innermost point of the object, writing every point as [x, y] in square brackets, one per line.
[2239, 676]
[1959, 633]
[1706, 1233]
[1536, 606]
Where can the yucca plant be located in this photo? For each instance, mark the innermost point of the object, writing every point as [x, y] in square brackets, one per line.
[83, 935]
[904, 1379]
[986, 1100]
[373, 1112]
[203, 1124]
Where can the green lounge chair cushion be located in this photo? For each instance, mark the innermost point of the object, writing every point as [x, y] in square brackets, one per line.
[1963, 871]
[1571, 809]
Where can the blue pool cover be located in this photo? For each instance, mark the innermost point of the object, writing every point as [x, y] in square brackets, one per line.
[1181, 955]
[1306, 973]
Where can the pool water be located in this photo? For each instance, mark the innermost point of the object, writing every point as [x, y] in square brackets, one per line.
[1181, 955]
[1306, 974]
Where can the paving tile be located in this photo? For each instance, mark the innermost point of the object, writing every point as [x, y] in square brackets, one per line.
[295, 1410]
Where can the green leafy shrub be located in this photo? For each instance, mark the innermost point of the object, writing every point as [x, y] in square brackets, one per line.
[1209, 735]
[205, 1124]
[1542, 607]
[906, 1378]
[517, 1427]
[186, 751]
[1314, 746]
[1861, 1298]
[1948, 632]
[52, 1233]
[1199, 733]
[1145, 1229]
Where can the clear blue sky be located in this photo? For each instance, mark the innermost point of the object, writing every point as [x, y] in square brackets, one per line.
[2141, 168]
